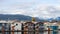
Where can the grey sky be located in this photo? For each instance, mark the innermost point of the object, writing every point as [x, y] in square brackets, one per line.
[36, 8]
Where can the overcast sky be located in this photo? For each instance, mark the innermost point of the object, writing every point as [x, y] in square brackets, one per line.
[35, 8]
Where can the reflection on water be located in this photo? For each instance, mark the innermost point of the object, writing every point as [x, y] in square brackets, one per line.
[40, 33]
[51, 32]
[17, 33]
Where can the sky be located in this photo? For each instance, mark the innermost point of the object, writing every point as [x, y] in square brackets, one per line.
[34, 8]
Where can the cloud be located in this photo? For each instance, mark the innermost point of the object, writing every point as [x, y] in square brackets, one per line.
[45, 11]
[31, 8]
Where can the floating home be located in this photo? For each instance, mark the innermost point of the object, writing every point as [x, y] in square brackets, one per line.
[39, 27]
[29, 26]
[4, 26]
[17, 26]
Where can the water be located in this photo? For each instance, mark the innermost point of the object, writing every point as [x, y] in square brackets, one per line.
[43, 33]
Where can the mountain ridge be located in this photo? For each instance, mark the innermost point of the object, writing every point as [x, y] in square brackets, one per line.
[23, 17]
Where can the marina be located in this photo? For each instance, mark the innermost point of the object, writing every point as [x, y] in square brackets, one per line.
[15, 27]
[29, 16]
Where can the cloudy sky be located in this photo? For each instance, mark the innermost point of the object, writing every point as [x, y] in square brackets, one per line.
[34, 8]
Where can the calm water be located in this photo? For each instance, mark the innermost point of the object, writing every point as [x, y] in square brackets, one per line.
[51, 32]
[43, 33]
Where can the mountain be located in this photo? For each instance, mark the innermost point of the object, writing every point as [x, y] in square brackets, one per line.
[12, 17]
[50, 19]
[57, 19]
[24, 17]
[17, 17]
